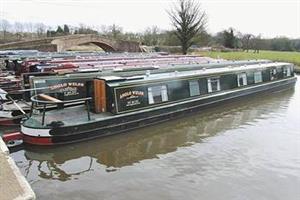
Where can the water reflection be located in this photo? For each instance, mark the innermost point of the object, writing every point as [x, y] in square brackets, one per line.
[112, 153]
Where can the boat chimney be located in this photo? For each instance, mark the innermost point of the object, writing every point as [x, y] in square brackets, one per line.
[147, 73]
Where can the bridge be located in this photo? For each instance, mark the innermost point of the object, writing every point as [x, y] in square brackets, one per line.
[63, 43]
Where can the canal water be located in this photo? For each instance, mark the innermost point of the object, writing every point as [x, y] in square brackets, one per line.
[245, 149]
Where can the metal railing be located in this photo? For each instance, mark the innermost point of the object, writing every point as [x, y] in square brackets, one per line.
[60, 105]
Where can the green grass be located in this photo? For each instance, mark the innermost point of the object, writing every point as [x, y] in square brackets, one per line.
[292, 57]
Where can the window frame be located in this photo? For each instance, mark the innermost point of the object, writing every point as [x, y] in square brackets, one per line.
[209, 84]
[287, 71]
[273, 74]
[195, 84]
[163, 93]
[261, 77]
[242, 75]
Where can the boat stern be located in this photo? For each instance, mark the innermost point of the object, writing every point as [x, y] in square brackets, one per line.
[34, 134]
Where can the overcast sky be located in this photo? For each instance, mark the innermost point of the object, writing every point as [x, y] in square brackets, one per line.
[271, 18]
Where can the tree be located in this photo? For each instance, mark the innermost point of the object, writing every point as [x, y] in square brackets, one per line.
[66, 29]
[188, 20]
[40, 29]
[115, 31]
[203, 39]
[18, 27]
[171, 39]
[296, 44]
[256, 43]
[51, 33]
[83, 29]
[229, 38]
[150, 36]
[4, 25]
[282, 44]
[59, 31]
[245, 40]
[131, 36]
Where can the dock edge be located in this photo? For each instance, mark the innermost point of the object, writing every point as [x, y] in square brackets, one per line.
[28, 193]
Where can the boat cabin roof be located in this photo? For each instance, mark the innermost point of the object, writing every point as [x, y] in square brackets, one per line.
[148, 77]
[126, 72]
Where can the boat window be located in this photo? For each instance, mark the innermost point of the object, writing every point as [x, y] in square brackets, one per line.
[213, 84]
[157, 94]
[250, 77]
[194, 88]
[273, 74]
[279, 72]
[242, 79]
[178, 89]
[287, 71]
[257, 77]
[228, 81]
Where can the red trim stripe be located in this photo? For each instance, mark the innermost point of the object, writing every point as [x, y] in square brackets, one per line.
[37, 140]
[7, 122]
[12, 136]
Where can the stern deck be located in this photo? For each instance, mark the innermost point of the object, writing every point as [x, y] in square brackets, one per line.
[70, 116]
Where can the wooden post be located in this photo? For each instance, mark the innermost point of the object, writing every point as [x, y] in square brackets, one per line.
[100, 95]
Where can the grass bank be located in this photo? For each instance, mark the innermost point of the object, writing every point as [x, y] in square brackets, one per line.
[285, 56]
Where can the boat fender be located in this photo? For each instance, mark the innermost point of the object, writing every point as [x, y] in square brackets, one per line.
[13, 139]
[56, 124]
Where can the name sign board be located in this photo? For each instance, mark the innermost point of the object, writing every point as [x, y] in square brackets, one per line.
[131, 98]
[71, 88]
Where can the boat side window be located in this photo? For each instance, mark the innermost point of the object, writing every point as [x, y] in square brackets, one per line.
[292, 70]
[242, 79]
[250, 77]
[273, 74]
[194, 88]
[213, 84]
[279, 72]
[157, 94]
[287, 71]
[257, 77]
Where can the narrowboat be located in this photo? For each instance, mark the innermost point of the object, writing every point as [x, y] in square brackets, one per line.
[74, 85]
[118, 104]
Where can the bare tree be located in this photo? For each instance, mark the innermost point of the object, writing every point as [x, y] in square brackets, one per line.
[245, 40]
[256, 43]
[4, 25]
[188, 20]
[115, 31]
[29, 28]
[103, 29]
[40, 29]
[150, 36]
[19, 28]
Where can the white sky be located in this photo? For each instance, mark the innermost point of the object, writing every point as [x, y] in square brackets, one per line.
[271, 18]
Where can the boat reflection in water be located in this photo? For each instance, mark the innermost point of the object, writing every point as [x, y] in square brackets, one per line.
[112, 153]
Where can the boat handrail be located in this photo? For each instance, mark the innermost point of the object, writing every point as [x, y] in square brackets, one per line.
[59, 103]
[34, 99]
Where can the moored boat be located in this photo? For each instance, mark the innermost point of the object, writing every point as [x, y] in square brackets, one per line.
[117, 104]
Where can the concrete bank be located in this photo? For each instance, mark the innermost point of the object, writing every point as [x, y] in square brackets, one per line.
[13, 184]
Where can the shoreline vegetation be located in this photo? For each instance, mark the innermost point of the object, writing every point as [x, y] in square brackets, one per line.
[283, 56]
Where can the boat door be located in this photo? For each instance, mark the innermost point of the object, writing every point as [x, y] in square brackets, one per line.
[100, 95]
